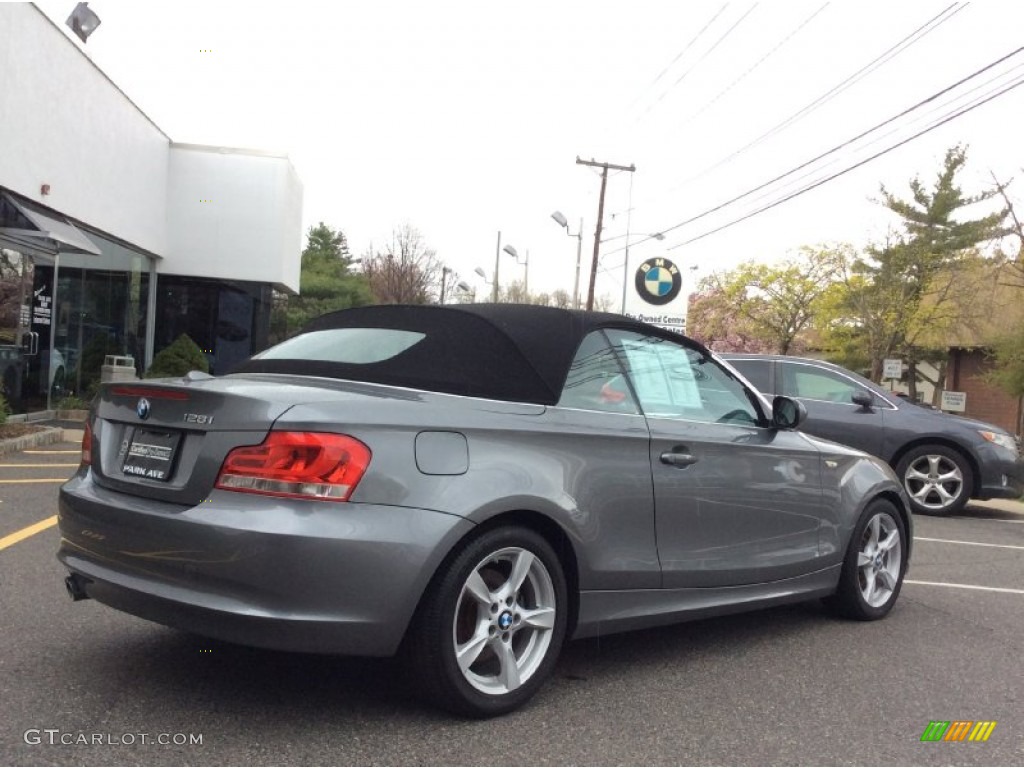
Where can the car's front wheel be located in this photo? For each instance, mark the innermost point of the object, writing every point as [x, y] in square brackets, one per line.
[874, 566]
[937, 479]
[492, 624]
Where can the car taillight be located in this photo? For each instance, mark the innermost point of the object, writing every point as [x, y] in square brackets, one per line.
[304, 465]
[87, 445]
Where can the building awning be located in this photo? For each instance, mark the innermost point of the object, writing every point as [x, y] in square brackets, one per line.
[47, 232]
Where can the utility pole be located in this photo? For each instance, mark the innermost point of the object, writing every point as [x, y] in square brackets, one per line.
[600, 218]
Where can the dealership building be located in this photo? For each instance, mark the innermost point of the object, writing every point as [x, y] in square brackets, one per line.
[114, 239]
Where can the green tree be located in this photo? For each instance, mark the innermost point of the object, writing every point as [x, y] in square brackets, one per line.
[1008, 357]
[327, 283]
[897, 292]
[764, 305]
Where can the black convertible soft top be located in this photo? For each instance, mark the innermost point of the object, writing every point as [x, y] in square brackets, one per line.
[516, 352]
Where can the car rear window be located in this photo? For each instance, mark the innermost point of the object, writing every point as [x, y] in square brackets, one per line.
[345, 345]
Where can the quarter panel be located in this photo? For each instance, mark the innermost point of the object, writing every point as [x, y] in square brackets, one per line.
[588, 471]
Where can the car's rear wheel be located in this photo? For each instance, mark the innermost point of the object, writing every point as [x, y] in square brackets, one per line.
[874, 566]
[492, 625]
[937, 479]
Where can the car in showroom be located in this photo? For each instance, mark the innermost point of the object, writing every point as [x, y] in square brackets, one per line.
[943, 460]
[468, 487]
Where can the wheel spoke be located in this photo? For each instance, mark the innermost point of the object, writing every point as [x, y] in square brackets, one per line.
[509, 666]
[539, 618]
[863, 558]
[467, 653]
[945, 495]
[476, 587]
[869, 588]
[933, 464]
[889, 541]
[922, 494]
[520, 570]
[914, 474]
[888, 581]
[876, 523]
[952, 476]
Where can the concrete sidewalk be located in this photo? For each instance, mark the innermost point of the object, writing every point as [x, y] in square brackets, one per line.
[1003, 505]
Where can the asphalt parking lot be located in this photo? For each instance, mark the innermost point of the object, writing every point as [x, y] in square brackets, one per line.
[83, 684]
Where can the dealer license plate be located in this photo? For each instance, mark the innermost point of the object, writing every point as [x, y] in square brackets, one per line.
[151, 454]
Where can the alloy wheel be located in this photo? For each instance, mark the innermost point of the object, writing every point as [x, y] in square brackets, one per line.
[504, 621]
[934, 482]
[879, 560]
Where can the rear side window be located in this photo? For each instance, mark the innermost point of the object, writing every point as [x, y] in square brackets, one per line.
[595, 381]
[801, 380]
[757, 372]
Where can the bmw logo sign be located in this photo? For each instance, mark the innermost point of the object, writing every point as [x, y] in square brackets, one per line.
[142, 409]
[505, 620]
[658, 281]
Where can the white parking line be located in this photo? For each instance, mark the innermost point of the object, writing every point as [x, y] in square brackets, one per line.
[968, 543]
[965, 586]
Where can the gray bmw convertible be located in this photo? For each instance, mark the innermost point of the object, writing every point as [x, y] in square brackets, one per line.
[469, 487]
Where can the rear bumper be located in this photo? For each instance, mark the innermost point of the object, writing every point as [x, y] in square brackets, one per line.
[1002, 475]
[308, 576]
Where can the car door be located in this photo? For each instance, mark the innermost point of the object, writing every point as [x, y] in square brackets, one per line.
[736, 502]
[831, 412]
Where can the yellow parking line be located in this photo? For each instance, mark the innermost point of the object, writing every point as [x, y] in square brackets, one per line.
[36, 480]
[11, 466]
[24, 533]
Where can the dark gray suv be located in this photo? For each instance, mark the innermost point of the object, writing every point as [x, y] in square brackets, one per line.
[942, 460]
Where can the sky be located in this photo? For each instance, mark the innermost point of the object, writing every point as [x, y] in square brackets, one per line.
[466, 119]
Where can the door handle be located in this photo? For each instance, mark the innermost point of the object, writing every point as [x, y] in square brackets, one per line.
[678, 459]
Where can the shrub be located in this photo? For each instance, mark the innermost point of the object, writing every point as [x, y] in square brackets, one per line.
[73, 403]
[5, 409]
[182, 356]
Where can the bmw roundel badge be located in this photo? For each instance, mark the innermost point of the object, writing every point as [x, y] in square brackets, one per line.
[142, 409]
[658, 281]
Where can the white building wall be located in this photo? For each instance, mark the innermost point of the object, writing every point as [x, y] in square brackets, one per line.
[233, 214]
[63, 123]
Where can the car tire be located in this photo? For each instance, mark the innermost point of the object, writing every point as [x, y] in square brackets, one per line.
[491, 626]
[874, 566]
[937, 479]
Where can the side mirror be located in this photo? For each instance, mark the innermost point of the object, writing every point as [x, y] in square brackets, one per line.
[862, 398]
[787, 413]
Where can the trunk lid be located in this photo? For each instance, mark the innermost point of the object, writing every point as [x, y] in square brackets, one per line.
[166, 439]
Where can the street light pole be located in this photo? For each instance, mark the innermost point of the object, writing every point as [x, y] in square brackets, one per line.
[564, 224]
[497, 266]
[579, 255]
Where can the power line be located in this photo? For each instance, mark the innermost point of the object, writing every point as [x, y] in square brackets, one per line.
[927, 116]
[754, 66]
[787, 198]
[838, 147]
[913, 38]
[693, 66]
[680, 55]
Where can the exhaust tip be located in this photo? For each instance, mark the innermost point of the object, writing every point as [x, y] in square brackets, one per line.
[75, 586]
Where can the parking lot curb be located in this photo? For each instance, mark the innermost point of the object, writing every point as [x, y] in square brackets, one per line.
[48, 436]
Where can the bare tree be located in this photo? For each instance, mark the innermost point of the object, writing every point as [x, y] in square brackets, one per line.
[404, 270]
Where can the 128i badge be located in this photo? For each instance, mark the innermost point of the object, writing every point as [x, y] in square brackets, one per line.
[658, 281]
